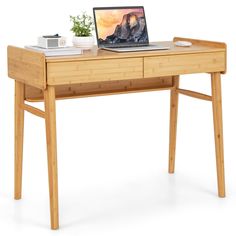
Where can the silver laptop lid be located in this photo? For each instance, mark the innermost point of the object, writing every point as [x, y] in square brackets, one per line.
[120, 26]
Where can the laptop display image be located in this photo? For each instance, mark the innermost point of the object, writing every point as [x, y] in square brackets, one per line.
[122, 27]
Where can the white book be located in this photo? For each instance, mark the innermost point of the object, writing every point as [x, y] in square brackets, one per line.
[51, 52]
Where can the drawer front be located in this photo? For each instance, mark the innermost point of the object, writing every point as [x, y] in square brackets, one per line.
[184, 64]
[94, 71]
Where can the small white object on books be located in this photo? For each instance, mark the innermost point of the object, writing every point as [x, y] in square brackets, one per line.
[52, 41]
[51, 52]
[183, 43]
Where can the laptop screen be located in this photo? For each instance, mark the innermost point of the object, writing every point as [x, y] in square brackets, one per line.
[120, 26]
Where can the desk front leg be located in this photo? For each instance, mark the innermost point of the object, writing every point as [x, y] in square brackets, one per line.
[19, 133]
[174, 98]
[218, 129]
[50, 118]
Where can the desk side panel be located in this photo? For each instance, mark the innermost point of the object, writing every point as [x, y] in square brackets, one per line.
[60, 73]
[27, 66]
[184, 64]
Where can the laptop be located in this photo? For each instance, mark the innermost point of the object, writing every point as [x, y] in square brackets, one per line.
[122, 29]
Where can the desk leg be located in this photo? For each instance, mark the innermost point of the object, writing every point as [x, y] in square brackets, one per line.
[50, 118]
[19, 135]
[174, 97]
[218, 129]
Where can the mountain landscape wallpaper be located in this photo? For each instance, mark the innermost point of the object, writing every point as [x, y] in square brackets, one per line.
[121, 26]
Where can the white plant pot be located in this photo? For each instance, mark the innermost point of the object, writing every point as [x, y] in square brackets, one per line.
[83, 42]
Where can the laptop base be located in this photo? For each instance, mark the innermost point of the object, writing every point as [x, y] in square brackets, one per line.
[137, 49]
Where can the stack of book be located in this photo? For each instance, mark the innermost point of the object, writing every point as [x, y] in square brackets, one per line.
[52, 52]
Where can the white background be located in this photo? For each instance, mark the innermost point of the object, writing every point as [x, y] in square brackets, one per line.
[113, 151]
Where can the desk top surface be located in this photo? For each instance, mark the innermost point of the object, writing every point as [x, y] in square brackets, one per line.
[198, 46]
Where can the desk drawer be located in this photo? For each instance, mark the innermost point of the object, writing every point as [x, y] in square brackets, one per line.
[184, 64]
[93, 71]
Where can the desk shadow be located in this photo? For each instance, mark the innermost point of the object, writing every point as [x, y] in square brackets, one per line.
[136, 198]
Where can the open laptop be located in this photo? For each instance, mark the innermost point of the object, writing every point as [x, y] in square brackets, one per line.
[122, 29]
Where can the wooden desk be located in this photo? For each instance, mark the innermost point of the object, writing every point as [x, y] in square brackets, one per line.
[99, 72]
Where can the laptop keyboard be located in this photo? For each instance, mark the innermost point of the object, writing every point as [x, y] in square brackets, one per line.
[126, 46]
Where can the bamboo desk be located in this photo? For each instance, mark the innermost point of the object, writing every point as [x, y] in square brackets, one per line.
[99, 72]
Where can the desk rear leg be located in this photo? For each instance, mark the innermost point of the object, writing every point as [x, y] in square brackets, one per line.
[50, 118]
[174, 97]
[19, 135]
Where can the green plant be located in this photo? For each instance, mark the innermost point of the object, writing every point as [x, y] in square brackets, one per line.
[82, 25]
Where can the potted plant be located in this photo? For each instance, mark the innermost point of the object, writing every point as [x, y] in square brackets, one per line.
[82, 28]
